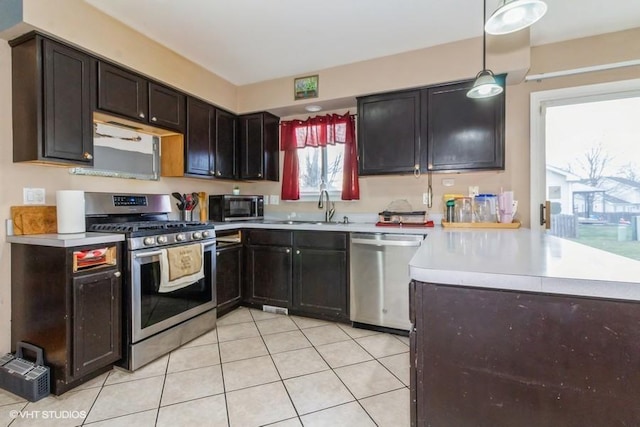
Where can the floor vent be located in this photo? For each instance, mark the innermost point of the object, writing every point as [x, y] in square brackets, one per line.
[276, 310]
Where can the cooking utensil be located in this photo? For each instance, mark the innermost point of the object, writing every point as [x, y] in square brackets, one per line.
[194, 200]
[180, 198]
[202, 200]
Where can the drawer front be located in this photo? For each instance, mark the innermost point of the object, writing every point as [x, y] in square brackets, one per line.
[321, 240]
[270, 237]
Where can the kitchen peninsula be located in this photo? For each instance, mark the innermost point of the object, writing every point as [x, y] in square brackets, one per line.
[521, 328]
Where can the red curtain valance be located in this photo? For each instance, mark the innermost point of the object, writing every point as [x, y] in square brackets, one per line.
[318, 132]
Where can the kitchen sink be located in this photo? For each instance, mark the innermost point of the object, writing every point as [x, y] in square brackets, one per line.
[294, 222]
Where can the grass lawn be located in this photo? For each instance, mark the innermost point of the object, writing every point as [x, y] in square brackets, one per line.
[605, 237]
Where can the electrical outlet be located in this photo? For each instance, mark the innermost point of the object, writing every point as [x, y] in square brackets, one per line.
[265, 200]
[33, 196]
[474, 190]
[448, 182]
[274, 199]
[425, 198]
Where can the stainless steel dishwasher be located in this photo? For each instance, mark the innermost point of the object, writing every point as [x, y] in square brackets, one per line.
[380, 278]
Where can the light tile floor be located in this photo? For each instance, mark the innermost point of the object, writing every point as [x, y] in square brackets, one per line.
[255, 369]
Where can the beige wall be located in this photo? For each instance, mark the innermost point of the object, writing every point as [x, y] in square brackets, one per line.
[82, 25]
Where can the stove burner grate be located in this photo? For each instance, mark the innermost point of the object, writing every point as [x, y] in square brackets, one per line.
[132, 227]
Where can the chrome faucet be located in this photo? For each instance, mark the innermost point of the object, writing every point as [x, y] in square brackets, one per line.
[328, 206]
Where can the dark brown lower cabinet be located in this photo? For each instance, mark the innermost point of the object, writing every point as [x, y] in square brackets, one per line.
[320, 275]
[73, 313]
[228, 278]
[494, 358]
[304, 271]
[268, 279]
[96, 321]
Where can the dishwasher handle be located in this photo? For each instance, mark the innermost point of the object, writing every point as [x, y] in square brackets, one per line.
[372, 242]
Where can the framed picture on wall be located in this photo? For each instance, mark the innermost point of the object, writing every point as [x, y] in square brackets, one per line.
[305, 87]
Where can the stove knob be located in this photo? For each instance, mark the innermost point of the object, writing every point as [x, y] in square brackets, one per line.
[196, 235]
[206, 234]
[180, 237]
[162, 239]
[149, 241]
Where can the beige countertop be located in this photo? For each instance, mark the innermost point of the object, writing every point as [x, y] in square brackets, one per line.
[66, 240]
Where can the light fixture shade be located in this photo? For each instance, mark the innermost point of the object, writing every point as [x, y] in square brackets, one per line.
[514, 15]
[485, 86]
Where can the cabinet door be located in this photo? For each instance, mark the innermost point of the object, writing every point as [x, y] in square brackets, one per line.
[96, 321]
[228, 276]
[389, 134]
[271, 157]
[226, 145]
[251, 147]
[320, 274]
[320, 282]
[199, 147]
[268, 270]
[166, 107]
[68, 119]
[122, 92]
[463, 133]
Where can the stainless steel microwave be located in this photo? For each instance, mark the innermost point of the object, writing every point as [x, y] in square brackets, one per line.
[229, 207]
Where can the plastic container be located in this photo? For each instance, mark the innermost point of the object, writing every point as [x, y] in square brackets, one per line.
[463, 209]
[485, 208]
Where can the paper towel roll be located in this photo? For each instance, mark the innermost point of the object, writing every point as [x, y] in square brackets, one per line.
[70, 211]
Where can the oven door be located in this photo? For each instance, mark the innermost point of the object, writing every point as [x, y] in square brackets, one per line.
[152, 311]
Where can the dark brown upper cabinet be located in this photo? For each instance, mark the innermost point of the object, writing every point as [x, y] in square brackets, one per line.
[463, 133]
[166, 107]
[199, 152]
[259, 147]
[134, 97]
[210, 143]
[226, 157]
[389, 134]
[437, 128]
[52, 99]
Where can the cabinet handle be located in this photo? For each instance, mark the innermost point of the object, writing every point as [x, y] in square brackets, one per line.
[87, 155]
[219, 173]
[218, 253]
[288, 250]
[416, 171]
[153, 119]
[259, 175]
[141, 115]
[117, 274]
[297, 252]
[212, 172]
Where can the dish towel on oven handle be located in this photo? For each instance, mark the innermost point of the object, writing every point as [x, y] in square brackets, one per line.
[180, 267]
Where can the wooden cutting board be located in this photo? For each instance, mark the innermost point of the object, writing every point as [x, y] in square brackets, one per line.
[34, 219]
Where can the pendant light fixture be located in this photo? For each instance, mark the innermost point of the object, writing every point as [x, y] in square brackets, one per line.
[514, 15]
[485, 85]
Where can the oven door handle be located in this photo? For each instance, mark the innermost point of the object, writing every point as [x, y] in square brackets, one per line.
[154, 253]
[147, 254]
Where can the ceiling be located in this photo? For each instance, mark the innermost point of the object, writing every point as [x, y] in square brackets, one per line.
[247, 41]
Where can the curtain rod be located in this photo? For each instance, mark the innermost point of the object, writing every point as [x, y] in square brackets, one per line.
[582, 70]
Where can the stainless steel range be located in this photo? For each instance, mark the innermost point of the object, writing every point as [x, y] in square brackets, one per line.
[169, 272]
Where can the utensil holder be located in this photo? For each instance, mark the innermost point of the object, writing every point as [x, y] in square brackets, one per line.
[186, 215]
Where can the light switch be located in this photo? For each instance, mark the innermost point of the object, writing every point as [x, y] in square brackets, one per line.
[274, 199]
[33, 196]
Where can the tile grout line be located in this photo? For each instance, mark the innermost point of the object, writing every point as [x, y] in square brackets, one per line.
[277, 370]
